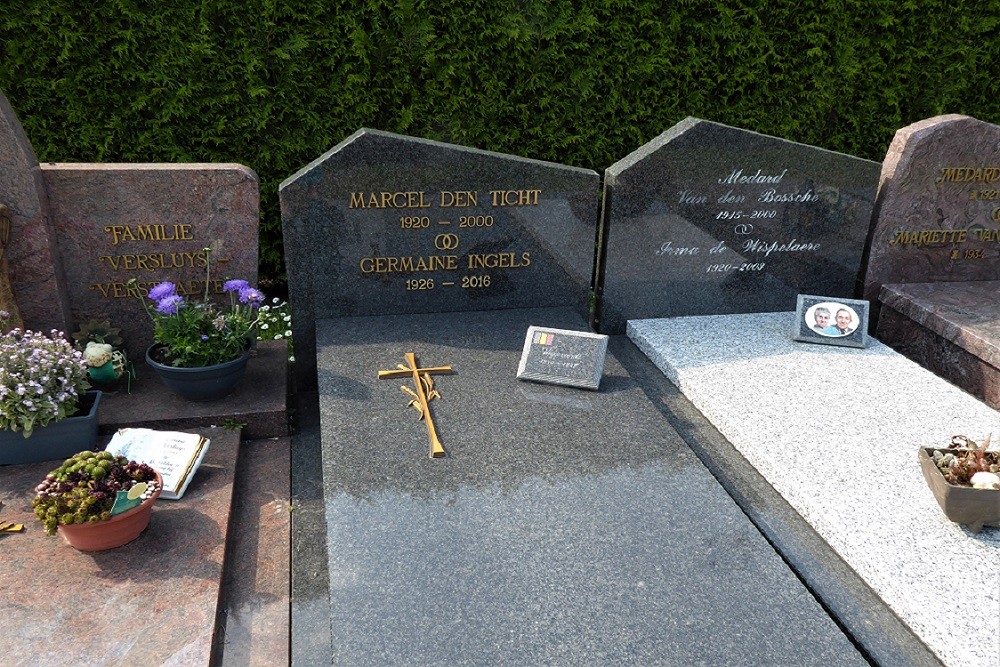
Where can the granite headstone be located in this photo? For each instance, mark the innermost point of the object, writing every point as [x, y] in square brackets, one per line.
[35, 273]
[388, 224]
[937, 215]
[151, 222]
[81, 231]
[711, 219]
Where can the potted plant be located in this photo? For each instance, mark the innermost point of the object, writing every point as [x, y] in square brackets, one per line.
[103, 350]
[45, 411]
[201, 348]
[965, 480]
[97, 500]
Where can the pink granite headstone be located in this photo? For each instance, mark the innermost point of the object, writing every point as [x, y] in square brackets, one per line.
[937, 212]
[35, 272]
[81, 231]
[151, 222]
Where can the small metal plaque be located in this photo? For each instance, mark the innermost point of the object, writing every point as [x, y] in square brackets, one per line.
[831, 321]
[561, 356]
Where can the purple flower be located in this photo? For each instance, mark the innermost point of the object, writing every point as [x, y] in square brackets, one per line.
[251, 296]
[235, 286]
[170, 305]
[162, 291]
[204, 336]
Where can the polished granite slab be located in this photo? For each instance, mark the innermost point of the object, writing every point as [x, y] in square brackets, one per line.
[836, 432]
[258, 404]
[563, 527]
[153, 601]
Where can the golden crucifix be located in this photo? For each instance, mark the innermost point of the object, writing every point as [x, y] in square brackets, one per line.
[424, 394]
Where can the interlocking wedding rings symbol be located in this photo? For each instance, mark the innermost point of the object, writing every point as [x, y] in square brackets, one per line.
[743, 229]
[446, 241]
[996, 214]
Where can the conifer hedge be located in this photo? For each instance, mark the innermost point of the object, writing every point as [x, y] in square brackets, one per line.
[275, 83]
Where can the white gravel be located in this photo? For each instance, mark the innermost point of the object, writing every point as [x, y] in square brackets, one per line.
[836, 431]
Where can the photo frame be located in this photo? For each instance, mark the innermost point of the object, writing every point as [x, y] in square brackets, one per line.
[831, 321]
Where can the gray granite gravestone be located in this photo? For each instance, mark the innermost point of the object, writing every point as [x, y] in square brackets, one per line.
[35, 272]
[559, 526]
[711, 219]
[384, 224]
[933, 269]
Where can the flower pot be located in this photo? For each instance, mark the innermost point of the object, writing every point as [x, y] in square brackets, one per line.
[206, 383]
[974, 508]
[57, 440]
[116, 531]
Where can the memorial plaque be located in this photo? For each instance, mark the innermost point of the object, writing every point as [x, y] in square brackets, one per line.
[937, 216]
[710, 219]
[562, 356]
[387, 224]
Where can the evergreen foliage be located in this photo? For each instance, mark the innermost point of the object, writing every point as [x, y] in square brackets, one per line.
[275, 83]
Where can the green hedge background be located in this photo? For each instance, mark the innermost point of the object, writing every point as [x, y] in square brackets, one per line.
[273, 84]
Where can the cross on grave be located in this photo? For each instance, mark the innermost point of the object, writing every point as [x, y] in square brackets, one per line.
[424, 394]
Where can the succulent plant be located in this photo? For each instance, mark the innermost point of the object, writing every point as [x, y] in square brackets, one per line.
[98, 331]
[83, 489]
[966, 459]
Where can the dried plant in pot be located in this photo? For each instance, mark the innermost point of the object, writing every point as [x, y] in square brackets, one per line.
[97, 500]
[965, 480]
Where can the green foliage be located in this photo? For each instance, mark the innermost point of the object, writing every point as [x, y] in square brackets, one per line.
[274, 84]
[194, 334]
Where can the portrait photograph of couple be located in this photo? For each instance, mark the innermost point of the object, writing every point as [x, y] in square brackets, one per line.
[831, 321]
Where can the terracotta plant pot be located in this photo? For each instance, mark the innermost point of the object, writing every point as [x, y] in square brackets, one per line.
[970, 507]
[116, 531]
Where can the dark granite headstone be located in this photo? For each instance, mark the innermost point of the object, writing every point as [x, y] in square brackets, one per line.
[35, 273]
[937, 216]
[710, 219]
[387, 224]
[563, 356]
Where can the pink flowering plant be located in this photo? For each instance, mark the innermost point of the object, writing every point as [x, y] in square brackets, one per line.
[41, 379]
[201, 333]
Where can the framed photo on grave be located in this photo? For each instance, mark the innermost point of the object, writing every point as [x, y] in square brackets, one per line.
[561, 356]
[831, 321]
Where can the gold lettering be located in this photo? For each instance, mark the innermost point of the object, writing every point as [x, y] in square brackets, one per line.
[515, 197]
[458, 199]
[357, 200]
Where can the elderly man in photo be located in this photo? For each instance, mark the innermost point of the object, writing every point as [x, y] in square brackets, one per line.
[844, 321]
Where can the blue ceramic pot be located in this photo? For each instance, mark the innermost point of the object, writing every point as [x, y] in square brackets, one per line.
[205, 383]
[58, 440]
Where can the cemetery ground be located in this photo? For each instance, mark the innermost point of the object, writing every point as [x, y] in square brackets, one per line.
[238, 572]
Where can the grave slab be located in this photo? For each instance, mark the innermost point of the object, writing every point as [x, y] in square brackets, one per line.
[708, 218]
[384, 223]
[948, 328]
[810, 418]
[259, 405]
[152, 601]
[563, 526]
